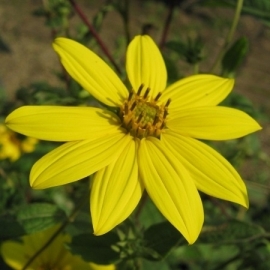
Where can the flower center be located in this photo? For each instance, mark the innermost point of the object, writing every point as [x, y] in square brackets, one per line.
[141, 115]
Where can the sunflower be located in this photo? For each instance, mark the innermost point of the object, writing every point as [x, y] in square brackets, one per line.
[144, 139]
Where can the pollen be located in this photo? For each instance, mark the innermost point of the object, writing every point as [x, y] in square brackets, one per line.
[142, 115]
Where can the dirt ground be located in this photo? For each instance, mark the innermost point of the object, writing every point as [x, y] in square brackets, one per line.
[32, 59]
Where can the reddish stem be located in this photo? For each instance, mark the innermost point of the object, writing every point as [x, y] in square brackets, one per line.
[95, 34]
[167, 25]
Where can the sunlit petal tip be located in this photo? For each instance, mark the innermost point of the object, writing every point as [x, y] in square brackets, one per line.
[240, 196]
[33, 184]
[145, 65]
[91, 72]
[192, 238]
[246, 202]
[12, 117]
[242, 199]
[36, 183]
[98, 231]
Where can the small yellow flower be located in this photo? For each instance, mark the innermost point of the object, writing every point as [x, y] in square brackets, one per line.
[56, 256]
[150, 141]
[11, 147]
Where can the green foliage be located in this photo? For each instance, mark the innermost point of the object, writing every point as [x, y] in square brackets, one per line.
[43, 93]
[257, 8]
[230, 233]
[190, 51]
[56, 13]
[159, 239]
[234, 57]
[96, 249]
[30, 219]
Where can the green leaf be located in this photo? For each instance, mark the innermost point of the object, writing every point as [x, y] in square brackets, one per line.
[39, 216]
[238, 101]
[259, 260]
[234, 57]
[231, 232]
[150, 214]
[257, 8]
[191, 50]
[147, 265]
[177, 46]
[101, 14]
[159, 239]
[29, 219]
[97, 249]
[10, 228]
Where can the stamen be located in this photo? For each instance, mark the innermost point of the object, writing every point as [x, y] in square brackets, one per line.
[140, 89]
[146, 93]
[155, 120]
[133, 105]
[140, 118]
[158, 96]
[129, 123]
[162, 125]
[126, 108]
[168, 102]
[165, 114]
[141, 114]
[130, 95]
[140, 132]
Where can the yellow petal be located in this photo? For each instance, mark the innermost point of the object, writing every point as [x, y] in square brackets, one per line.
[76, 160]
[212, 173]
[94, 266]
[145, 65]
[56, 256]
[212, 123]
[91, 72]
[171, 188]
[56, 123]
[116, 191]
[13, 254]
[197, 91]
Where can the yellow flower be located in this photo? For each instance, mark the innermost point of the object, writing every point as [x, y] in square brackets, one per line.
[11, 147]
[56, 256]
[149, 141]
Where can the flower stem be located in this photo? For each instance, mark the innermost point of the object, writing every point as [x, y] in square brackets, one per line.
[68, 220]
[196, 68]
[95, 34]
[167, 25]
[230, 35]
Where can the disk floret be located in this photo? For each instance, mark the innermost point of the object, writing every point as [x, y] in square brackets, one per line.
[142, 116]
